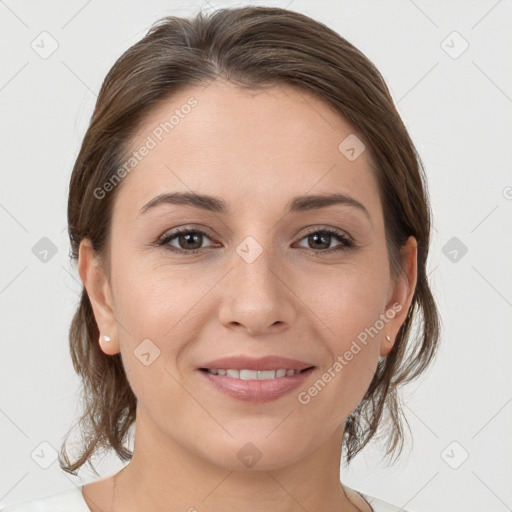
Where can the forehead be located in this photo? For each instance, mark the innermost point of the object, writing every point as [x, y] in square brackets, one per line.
[249, 147]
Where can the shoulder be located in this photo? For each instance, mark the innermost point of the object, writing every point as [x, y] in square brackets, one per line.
[381, 505]
[69, 500]
[368, 503]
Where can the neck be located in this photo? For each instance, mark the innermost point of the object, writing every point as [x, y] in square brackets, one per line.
[175, 479]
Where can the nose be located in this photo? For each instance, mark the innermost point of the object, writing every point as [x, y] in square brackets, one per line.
[258, 295]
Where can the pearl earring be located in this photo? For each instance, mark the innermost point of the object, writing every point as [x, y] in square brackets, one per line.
[387, 337]
[106, 338]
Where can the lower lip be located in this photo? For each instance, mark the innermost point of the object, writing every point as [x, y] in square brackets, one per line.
[263, 390]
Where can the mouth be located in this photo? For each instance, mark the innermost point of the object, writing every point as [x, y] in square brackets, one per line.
[255, 385]
[245, 374]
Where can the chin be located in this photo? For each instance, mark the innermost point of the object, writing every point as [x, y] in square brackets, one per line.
[257, 455]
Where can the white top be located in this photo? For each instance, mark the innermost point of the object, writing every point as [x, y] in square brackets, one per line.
[72, 500]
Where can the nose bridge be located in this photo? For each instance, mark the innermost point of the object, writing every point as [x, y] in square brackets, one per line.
[255, 266]
[255, 295]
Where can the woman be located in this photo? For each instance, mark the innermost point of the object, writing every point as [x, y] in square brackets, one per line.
[251, 225]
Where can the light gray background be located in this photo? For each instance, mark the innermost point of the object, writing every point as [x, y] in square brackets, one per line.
[458, 112]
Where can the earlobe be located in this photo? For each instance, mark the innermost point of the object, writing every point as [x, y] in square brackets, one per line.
[402, 294]
[97, 286]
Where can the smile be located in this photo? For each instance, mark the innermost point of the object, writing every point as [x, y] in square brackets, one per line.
[254, 374]
[255, 385]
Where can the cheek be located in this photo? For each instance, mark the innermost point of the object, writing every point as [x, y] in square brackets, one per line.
[348, 309]
[353, 355]
[158, 320]
[154, 299]
[161, 310]
[347, 300]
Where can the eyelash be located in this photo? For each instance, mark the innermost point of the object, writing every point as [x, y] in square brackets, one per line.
[165, 239]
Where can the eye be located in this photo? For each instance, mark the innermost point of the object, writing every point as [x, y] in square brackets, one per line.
[324, 237]
[189, 241]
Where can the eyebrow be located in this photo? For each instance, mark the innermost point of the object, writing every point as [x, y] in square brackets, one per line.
[218, 205]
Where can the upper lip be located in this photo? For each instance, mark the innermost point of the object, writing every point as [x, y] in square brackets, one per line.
[252, 363]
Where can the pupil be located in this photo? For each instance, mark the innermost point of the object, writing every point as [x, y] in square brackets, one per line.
[189, 237]
[322, 236]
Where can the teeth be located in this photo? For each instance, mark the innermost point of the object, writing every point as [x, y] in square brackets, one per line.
[254, 374]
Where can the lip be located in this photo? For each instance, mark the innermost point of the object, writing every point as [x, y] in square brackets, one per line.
[256, 390]
[252, 363]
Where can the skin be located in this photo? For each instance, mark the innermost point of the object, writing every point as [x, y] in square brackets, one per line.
[256, 150]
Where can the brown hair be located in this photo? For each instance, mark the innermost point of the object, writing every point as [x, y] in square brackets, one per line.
[251, 47]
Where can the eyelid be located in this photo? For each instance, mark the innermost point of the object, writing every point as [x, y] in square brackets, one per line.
[320, 227]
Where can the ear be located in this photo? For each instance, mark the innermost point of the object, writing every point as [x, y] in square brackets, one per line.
[401, 294]
[98, 289]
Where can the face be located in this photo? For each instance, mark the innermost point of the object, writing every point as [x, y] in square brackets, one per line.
[262, 276]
